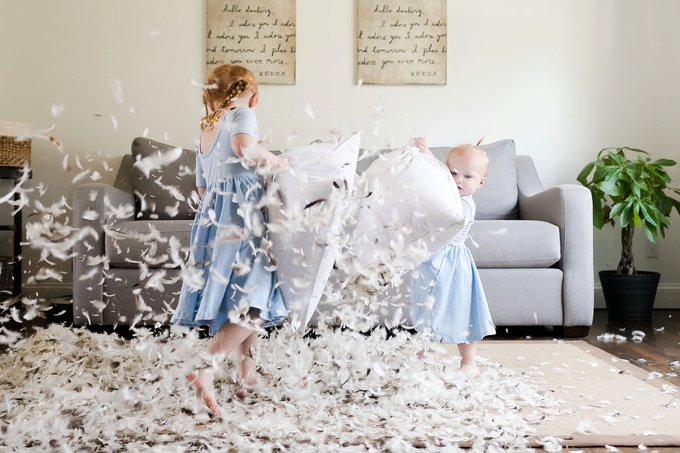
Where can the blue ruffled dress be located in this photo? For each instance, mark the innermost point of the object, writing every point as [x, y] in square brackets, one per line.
[447, 298]
[226, 237]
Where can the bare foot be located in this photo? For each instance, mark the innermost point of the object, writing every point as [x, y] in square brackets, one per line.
[203, 381]
[247, 377]
[470, 370]
[243, 390]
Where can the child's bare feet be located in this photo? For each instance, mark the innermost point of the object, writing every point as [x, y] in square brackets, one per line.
[243, 390]
[470, 370]
[247, 376]
[203, 381]
[468, 364]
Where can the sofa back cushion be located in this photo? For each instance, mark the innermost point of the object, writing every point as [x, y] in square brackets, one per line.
[164, 193]
[497, 198]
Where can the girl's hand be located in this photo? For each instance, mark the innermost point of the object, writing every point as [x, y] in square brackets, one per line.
[282, 163]
[421, 144]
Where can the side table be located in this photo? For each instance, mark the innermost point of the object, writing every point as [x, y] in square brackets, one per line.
[14, 173]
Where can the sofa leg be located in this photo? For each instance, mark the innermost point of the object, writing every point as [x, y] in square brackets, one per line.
[571, 331]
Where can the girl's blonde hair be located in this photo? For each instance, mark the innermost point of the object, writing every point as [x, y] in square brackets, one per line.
[225, 83]
[468, 149]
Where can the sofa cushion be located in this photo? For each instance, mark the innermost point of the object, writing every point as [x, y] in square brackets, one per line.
[163, 193]
[514, 244]
[497, 198]
[157, 295]
[127, 244]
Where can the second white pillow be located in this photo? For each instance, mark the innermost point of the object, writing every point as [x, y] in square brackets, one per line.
[307, 223]
[410, 209]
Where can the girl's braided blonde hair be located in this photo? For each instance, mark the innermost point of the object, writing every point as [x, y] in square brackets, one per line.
[225, 83]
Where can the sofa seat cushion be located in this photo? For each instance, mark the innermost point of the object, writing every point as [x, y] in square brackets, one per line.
[514, 244]
[149, 242]
[157, 293]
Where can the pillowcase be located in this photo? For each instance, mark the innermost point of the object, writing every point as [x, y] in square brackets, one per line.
[162, 179]
[410, 209]
[306, 226]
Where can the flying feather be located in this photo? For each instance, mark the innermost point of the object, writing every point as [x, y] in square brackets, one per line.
[158, 160]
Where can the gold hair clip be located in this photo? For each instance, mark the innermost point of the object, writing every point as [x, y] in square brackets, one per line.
[209, 120]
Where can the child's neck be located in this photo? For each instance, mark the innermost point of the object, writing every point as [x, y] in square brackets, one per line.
[232, 105]
[241, 100]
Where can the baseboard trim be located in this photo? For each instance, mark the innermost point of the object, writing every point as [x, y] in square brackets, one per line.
[667, 296]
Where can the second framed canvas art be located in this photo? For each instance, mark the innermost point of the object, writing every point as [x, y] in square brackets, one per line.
[401, 43]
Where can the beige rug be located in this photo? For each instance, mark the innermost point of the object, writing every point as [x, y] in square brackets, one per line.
[73, 390]
[603, 400]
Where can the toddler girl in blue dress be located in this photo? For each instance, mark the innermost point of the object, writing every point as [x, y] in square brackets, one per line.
[227, 284]
[447, 298]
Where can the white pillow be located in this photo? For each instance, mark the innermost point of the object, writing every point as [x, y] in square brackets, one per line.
[306, 227]
[410, 209]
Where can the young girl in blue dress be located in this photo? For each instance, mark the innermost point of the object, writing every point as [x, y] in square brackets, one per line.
[447, 298]
[227, 285]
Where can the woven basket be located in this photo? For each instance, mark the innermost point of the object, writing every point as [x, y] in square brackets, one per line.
[15, 144]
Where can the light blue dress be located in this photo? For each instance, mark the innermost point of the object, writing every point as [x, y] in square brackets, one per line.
[228, 229]
[447, 298]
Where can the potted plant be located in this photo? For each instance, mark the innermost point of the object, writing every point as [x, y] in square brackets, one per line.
[634, 189]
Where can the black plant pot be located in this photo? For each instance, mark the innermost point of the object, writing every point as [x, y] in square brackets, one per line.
[629, 297]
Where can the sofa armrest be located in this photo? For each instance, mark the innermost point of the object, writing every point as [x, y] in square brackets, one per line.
[95, 206]
[569, 206]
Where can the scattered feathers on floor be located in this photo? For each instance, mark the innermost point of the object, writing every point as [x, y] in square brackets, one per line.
[70, 389]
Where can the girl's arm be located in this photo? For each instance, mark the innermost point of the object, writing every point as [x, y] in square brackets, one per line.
[244, 144]
[200, 190]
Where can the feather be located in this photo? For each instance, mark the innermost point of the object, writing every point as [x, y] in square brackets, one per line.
[117, 90]
[57, 109]
[155, 161]
[80, 176]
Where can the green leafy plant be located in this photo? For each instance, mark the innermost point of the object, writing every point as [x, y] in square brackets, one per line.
[635, 191]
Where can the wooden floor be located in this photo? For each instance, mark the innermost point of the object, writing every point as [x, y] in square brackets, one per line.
[658, 352]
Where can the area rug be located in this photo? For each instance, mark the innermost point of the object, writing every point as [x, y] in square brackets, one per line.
[74, 390]
[602, 400]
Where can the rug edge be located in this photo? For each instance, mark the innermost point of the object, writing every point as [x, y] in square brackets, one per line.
[623, 365]
[580, 441]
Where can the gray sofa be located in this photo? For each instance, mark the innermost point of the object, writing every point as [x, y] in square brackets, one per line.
[533, 247]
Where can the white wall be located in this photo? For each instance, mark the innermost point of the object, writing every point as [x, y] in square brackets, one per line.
[563, 78]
